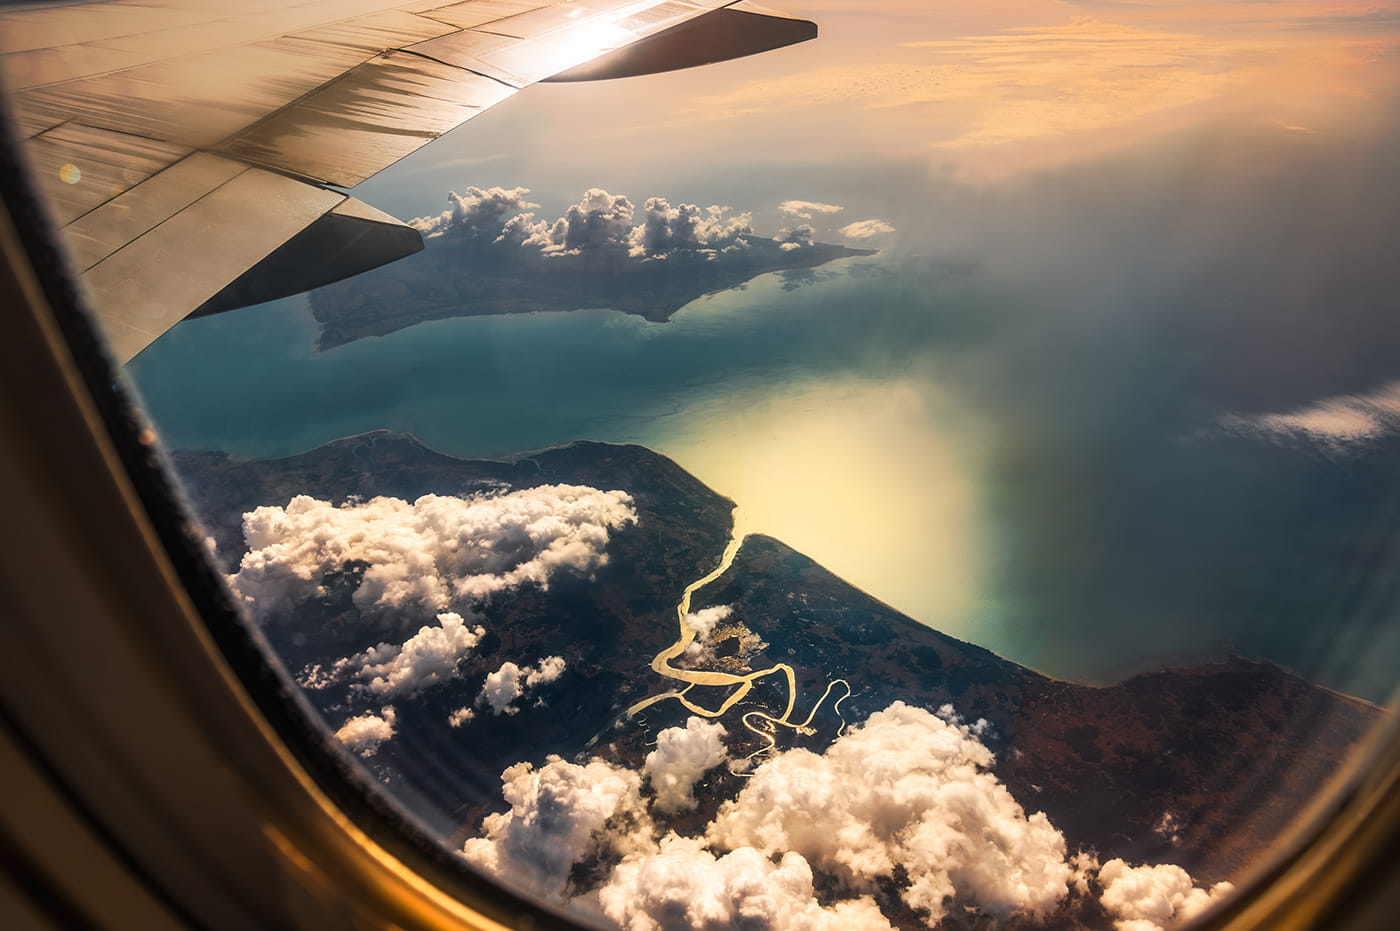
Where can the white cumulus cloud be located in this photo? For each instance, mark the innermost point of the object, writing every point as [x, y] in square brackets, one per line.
[558, 815]
[681, 757]
[806, 209]
[599, 221]
[682, 885]
[1151, 898]
[507, 684]
[864, 229]
[911, 789]
[431, 656]
[426, 553]
[480, 211]
[904, 802]
[666, 229]
[365, 733]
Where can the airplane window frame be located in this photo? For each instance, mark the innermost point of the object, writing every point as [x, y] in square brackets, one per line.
[65, 401]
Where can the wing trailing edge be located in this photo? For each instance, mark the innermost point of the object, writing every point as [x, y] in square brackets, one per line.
[734, 31]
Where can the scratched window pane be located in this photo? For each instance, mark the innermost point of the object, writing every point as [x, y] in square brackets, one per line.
[938, 475]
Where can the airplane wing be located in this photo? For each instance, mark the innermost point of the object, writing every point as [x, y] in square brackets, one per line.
[192, 149]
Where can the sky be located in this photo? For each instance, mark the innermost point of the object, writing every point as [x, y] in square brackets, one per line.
[1114, 390]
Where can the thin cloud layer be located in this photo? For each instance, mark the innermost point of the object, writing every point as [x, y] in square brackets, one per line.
[1334, 422]
[681, 757]
[864, 229]
[806, 209]
[428, 553]
[504, 687]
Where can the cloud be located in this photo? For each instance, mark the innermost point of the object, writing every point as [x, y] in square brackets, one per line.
[479, 211]
[507, 684]
[558, 816]
[365, 733]
[460, 716]
[685, 886]
[904, 803]
[665, 229]
[703, 622]
[1149, 898]
[805, 209]
[598, 221]
[682, 756]
[427, 553]
[864, 229]
[1341, 421]
[906, 790]
[796, 236]
[429, 657]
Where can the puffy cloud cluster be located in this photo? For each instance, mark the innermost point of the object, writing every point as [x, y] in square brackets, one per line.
[683, 885]
[507, 684]
[903, 801]
[704, 621]
[425, 553]
[1151, 898]
[479, 211]
[864, 229]
[666, 229]
[905, 789]
[599, 221]
[806, 209]
[681, 757]
[560, 814]
[365, 733]
[431, 656]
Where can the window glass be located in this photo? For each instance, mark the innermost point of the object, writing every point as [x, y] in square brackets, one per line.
[939, 474]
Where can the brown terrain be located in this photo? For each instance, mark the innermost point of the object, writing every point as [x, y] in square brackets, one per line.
[1201, 766]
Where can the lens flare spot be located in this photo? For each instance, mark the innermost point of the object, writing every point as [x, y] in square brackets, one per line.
[70, 173]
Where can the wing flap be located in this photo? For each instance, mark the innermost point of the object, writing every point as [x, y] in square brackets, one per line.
[130, 215]
[153, 282]
[82, 167]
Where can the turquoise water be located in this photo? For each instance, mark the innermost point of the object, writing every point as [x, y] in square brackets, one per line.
[987, 464]
[251, 382]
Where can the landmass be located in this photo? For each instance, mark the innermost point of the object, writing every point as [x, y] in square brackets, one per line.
[465, 278]
[487, 254]
[1200, 767]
